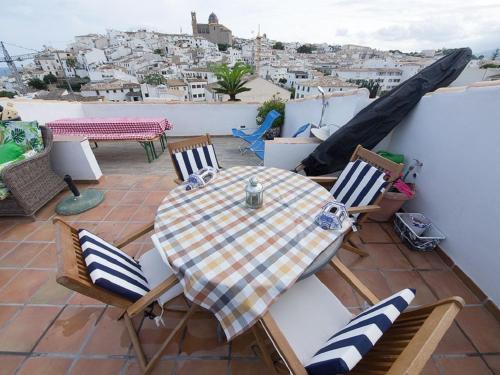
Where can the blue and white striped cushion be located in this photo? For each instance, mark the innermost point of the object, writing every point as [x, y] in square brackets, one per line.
[345, 349]
[112, 269]
[359, 184]
[191, 161]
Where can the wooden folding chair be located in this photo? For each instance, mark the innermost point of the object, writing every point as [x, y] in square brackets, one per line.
[73, 274]
[185, 145]
[392, 171]
[404, 349]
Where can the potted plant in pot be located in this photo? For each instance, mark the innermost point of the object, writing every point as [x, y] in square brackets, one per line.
[400, 193]
[278, 105]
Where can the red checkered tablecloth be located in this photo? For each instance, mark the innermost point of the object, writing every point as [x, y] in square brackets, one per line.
[113, 128]
[235, 261]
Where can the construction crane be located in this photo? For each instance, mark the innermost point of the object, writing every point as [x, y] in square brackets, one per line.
[12, 66]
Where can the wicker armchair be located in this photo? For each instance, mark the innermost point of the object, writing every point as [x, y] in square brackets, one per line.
[32, 182]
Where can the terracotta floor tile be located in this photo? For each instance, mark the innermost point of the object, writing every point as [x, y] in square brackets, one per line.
[386, 256]
[6, 313]
[455, 342]
[152, 336]
[423, 260]
[45, 233]
[51, 293]
[430, 368]
[446, 284]
[134, 197]
[245, 367]
[5, 224]
[68, 332]
[144, 214]
[20, 231]
[398, 280]
[121, 213]
[166, 183]
[493, 361]
[389, 229]
[6, 274]
[133, 249]
[133, 227]
[80, 299]
[481, 327]
[45, 366]
[110, 336]
[147, 183]
[24, 285]
[373, 232]
[95, 214]
[47, 258]
[344, 292]
[154, 198]
[6, 247]
[463, 366]
[48, 211]
[9, 363]
[21, 333]
[22, 254]
[243, 345]
[202, 367]
[161, 368]
[113, 197]
[201, 337]
[97, 366]
[374, 280]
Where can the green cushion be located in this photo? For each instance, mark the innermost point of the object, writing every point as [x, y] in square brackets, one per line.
[9, 152]
[26, 134]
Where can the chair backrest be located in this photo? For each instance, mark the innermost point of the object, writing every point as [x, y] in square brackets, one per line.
[185, 145]
[268, 122]
[72, 270]
[300, 130]
[392, 170]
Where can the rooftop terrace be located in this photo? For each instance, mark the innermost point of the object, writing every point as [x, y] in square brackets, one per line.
[47, 329]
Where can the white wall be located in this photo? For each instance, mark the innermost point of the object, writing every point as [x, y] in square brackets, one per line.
[341, 108]
[456, 135]
[45, 110]
[188, 119]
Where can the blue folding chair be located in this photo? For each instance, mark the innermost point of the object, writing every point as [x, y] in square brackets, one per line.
[258, 149]
[301, 130]
[257, 134]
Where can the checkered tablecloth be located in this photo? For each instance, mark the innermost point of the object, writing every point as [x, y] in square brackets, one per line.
[111, 128]
[233, 260]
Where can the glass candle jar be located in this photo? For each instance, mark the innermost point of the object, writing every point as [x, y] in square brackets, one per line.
[254, 193]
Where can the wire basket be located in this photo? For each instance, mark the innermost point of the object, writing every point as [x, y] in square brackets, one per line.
[424, 242]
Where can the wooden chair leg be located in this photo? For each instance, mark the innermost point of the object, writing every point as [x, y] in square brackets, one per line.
[347, 246]
[265, 354]
[147, 367]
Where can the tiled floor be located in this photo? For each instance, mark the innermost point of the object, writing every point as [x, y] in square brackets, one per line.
[46, 329]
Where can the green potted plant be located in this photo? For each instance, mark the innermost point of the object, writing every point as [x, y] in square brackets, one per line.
[278, 105]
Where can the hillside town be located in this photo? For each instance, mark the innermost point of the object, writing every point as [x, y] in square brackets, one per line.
[151, 66]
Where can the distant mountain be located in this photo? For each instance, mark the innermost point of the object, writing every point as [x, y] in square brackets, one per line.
[4, 71]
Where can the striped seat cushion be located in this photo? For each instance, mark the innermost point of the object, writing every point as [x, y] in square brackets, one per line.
[112, 269]
[191, 161]
[345, 349]
[359, 184]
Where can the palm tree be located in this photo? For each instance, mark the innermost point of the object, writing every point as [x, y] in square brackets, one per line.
[231, 80]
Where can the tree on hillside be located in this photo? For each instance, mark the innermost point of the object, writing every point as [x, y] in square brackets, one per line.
[37, 84]
[231, 81]
[7, 94]
[495, 54]
[223, 47]
[305, 48]
[372, 86]
[49, 78]
[154, 79]
[278, 45]
[71, 63]
[158, 51]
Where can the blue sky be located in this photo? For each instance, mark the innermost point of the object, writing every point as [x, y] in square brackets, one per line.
[387, 24]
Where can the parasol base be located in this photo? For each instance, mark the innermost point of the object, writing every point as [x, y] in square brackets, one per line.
[74, 205]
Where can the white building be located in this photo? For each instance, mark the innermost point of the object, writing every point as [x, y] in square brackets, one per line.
[89, 59]
[55, 61]
[200, 73]
[260, 91]
[114, 91]
[111, 72]
[162, 93]
[309, 88]
[387, 78]
[197, 89]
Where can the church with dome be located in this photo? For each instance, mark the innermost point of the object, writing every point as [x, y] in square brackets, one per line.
[213, 30]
